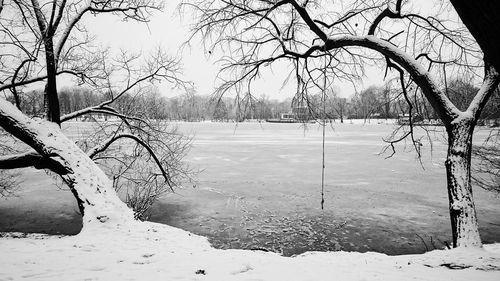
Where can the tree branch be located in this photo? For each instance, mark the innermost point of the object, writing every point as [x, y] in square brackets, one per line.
[32, 159]
[490, 83]
[102, 147]
[308, 20]
[98, 109]
[386, 13]
[39, 17]
[443, 106]
[103, 7]
[37, 79]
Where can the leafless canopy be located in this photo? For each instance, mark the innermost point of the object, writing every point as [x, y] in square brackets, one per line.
[42, 40]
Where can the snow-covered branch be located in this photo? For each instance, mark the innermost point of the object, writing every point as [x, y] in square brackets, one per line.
[490, 83]
[443, 106]
[92, 188]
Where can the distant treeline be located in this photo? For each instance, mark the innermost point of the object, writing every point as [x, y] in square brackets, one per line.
[373, 102]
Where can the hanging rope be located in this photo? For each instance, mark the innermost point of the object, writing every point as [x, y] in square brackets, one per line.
[323, 141]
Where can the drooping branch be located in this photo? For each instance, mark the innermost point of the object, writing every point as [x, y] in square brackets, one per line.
[411, 133]
[13, 81]
[102, 147]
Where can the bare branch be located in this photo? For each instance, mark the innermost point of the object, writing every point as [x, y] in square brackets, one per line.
[32, 159]
[135, 10]
[102, 147]
[386, 13]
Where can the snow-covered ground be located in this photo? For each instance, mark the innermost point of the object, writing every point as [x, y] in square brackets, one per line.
[149, 251]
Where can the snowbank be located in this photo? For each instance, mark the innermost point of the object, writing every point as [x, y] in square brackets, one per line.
[149, 251]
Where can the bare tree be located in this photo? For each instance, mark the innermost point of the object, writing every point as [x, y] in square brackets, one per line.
[47, 39]
[341, 106]
[45, 31]
[322, 41]
[367, 102]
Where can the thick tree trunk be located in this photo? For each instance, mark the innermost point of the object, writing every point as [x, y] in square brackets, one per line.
[93, 190]
[462, 210]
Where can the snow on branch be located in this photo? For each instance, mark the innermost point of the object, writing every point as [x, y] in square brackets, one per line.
[490, 83]
[443, 106]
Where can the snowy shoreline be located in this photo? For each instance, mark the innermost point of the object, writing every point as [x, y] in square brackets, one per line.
[150, 251]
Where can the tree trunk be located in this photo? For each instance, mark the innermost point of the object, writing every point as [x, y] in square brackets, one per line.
[93, 190]
[51, 101]
[462, 210]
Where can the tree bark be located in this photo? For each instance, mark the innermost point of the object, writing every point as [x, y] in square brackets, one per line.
[93, 190]
[462, 210]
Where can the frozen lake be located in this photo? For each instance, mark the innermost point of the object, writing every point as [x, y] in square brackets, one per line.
[261, 188]
[261, 184]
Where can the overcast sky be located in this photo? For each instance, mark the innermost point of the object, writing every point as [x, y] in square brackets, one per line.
[169, 30]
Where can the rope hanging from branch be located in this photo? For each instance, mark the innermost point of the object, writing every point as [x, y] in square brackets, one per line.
[323, 97]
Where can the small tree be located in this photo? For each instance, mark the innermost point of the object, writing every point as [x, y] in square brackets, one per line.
[367, 102]
[340, 106]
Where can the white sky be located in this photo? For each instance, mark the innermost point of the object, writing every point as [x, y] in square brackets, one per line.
[168, 30]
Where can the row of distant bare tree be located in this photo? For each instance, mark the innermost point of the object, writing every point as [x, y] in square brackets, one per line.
[374, 102]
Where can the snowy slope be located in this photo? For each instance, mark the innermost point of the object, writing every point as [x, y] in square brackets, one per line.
[149, 251]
